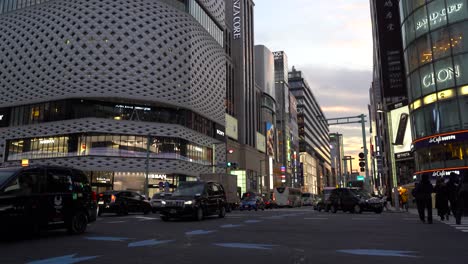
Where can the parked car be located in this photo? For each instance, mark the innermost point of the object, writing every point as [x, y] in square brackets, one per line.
[122, 203]
[307, 199]
[195, 199]
[156, 201]
[353, 200]
[45, 197]
[252, 202]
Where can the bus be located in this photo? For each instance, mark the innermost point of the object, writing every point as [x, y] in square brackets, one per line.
[287, 196]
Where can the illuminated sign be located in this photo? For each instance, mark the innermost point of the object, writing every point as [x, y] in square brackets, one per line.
[464, 90]
[261, 142]
[438, 16]
[103, 180]
[46, 141]
[437, 140]
[231, 127]
[443, 75]
[133, 107]
[157, 176]
[237, 19]
[219, 132]
[401, 129]
[1, 117]
[443, 173]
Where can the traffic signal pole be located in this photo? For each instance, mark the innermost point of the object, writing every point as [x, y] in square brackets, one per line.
[361, 119]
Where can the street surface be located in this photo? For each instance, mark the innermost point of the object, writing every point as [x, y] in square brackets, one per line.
[298, 235]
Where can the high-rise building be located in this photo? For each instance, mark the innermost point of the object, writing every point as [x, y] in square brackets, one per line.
[264, 78]
[435, 41]
[337, 155]
[313, 129]
[388, 92]
[244, 132]
[132, 92]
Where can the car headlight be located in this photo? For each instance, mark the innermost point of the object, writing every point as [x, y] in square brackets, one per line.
[163, 202]
[189, 202]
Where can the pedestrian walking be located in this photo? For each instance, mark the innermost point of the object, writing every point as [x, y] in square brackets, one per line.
[442, 199]
[462, 199]
[452, 190]
[423, 194]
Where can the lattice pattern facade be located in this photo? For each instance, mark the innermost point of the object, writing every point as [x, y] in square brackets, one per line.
[130, 50]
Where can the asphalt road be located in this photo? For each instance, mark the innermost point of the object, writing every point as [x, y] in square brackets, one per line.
[274, 236]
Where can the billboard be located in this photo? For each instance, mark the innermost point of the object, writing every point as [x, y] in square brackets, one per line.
[270, 139]
[231, 127]
[261, 142]
[401, 129]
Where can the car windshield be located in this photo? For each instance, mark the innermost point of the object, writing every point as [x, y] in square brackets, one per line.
[4, 176]
[362, 194]
[189, 189]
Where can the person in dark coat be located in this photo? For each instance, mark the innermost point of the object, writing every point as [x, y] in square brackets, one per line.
[441, 199]
[462, 199]
[423, 194]
[452, 190]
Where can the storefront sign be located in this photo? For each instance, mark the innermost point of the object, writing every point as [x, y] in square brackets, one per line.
[403, 155]
[103, 180]
[391, 49]
[443, 173]
[157, 176]
[219, 132]
[443, 75]
[438, 16]
[47, 141]
[133, 107]
[236, 21]
[441, 139]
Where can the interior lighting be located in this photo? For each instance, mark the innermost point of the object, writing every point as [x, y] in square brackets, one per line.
[429, 99]
[464, 90]
[445, 94]
[416, 104]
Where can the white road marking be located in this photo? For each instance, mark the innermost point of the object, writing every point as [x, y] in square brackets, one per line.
[364, 218]
[316, 218]
[115, 222]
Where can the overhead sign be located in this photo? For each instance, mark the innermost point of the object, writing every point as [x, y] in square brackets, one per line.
[360, 178]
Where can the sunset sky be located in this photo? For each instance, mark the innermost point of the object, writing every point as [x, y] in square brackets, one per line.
[331, 43]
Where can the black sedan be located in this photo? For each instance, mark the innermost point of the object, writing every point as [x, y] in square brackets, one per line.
[122, 203]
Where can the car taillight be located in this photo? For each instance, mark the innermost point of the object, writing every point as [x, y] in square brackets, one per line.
[93, 196]
[101, 195]
[112, 198]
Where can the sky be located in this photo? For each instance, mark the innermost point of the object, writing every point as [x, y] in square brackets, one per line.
[331, 43]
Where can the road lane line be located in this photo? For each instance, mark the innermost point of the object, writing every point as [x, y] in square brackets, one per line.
[315, 218]
[115, 222]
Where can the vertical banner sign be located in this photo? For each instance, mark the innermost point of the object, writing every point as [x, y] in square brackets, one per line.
[391, 49]
[237, 20]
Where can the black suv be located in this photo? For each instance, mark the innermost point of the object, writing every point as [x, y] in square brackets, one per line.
[196, 200]
[45, 197]
[352, 200]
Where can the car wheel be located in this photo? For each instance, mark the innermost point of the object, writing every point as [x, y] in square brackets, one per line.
[333, 209]
[122, 210]
[357, 209]
[77, 223]
[199, 214]
[146, 211]
[222, 212]
[164, 218]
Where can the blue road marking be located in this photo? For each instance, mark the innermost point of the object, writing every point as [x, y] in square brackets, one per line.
[246, 245]
[230, 226]
[117, 239]
[68, 259]
[199, 232]
[252, 221]
[150, 242]
[380, 252]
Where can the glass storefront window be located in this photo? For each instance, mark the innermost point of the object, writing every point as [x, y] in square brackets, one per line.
[415, 85]
[458, 36]
[412, 58]
[464, 111]
[440, 43]
[437, 14]
[457, 10]
[423, 45]
[449, 115]
[418, 123]
[432, 123]
[437, 154]
[421, 21]
[455, 154]
[427, 77]
[445, 74]
[461, 68]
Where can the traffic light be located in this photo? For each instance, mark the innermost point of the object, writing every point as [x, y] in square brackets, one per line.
[362, 162]
[231, 165]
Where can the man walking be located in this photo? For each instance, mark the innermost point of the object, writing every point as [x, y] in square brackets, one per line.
[423, 194]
